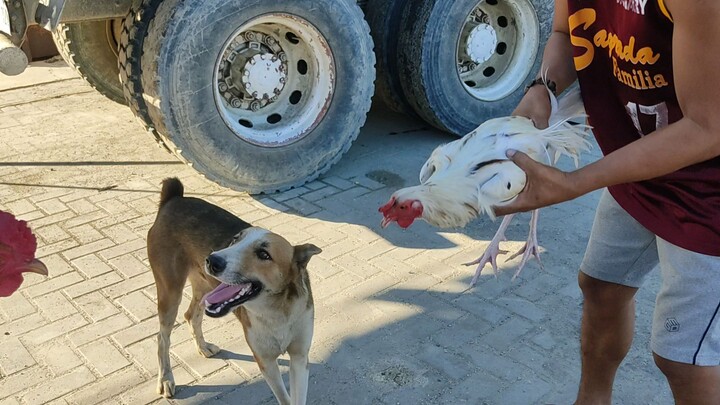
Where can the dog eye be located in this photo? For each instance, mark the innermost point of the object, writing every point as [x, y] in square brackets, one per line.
[263, 255]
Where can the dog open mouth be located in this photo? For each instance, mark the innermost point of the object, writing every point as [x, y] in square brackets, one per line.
[225, 297]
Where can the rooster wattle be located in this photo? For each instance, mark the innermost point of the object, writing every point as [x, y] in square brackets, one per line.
[469, 176]
[17, 253]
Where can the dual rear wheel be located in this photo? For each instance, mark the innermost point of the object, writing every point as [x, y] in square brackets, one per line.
[265, 95]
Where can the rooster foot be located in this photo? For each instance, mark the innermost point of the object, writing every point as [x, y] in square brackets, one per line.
[489, 256]
[492, 251]
[531, 248]
[528, 251]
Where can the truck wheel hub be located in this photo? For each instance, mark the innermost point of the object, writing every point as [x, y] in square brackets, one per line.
[497, 48]
[275, 78]
[264, 76]
[252, 71]
[481, 43]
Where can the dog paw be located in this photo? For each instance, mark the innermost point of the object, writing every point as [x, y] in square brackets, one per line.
[208, 349]
[166, 388]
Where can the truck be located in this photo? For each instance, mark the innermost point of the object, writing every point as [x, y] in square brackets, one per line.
[266, 95]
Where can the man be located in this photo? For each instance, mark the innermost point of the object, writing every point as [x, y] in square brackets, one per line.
[647, 70]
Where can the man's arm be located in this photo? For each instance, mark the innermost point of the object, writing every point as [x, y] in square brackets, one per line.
[693, 139]
[557, 66]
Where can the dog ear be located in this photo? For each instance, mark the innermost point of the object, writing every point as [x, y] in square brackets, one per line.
[303, 253]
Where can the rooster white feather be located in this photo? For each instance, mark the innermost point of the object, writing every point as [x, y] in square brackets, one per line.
[471, 175]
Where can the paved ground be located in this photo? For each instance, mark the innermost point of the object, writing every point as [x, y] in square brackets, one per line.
[396, 323]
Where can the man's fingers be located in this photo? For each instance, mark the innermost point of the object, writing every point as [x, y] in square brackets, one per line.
[522, 160]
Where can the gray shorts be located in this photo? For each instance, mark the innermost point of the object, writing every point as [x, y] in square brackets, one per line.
[686, 322]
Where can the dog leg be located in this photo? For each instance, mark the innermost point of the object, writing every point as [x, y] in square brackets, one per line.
[168, 303]
[194, 316]
[299, 375]
[271, 372]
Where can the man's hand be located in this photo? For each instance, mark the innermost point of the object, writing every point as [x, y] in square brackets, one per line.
[536, 106]
[545, 186]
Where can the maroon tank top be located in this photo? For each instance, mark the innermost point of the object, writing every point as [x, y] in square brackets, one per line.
[623, 55]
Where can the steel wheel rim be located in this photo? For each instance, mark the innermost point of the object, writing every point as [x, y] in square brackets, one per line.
[497, 48]
[113, 31]
[274, 80]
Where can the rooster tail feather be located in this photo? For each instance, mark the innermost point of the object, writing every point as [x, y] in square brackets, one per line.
[171, 188]
[565, 138]
[567, 108]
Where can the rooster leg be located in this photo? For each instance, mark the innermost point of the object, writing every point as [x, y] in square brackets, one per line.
[493, 250]
[531, 248]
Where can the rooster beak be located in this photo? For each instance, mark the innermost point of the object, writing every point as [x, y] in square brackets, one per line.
[385, 222]
[36, 266]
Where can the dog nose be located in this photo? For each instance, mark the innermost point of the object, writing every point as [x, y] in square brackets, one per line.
[215, 264]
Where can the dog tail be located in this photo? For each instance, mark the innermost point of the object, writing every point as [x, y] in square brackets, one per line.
[171, 188]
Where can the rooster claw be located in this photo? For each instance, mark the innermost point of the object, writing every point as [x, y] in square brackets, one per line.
[480, 259]
[527, 253]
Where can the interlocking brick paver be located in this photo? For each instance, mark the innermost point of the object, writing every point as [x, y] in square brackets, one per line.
[93, 284]
[22, 325]
[58, 356]
[103, 357]
[59, 386]
[120, 233]
[55, 329]
[138, 332]
[96, 306]
[144, 354]
[9, 401]
[91, 266]
[23, 380]
[128, 265]
[61, 246]
[138, 305]
[55, 305]
[132, 284]
[14, 356]
[52, 206]
[145, 393]
[122, 249]
[88, 248]
[16, 306]
[20, 207]
[195, 362]
[85, 233]
[99, 329]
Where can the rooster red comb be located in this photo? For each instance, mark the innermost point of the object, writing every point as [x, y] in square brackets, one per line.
[17, 253]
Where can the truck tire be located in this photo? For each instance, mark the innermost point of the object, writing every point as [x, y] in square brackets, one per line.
[91, 48]
[464, 61]
[383, 16]
[267, 99]
[130, 50]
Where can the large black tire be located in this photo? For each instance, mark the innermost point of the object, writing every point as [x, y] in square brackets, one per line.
[178, 66]
[431, 31]
[383, 16]
[130, 50]
[90, 48]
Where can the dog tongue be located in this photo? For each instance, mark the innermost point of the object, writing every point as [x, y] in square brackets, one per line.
[222, 293]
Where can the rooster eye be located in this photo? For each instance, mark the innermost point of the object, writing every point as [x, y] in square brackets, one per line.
[263, 255]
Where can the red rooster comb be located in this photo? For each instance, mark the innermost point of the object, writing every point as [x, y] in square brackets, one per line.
[17, 253]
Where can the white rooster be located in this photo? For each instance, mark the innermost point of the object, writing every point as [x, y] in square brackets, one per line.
[469, 176]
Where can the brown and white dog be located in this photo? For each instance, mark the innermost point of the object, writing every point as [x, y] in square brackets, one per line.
[250, 271]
